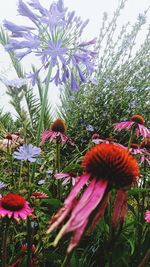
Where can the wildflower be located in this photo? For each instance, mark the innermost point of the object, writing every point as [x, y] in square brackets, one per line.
[137, 121]
[2, 185]
[145, 146]
[147, 216]
[105, 166]
[67, 177]
[95, 138]
[10, 141]
[14, 206]
[27, 152]
[89, 128]
[55, 39]
[135, 149]
[39, 195]
[108, 140]
[15, 83]
[57, 132]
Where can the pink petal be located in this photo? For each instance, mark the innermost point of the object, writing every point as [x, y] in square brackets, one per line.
[120, 207]
[61, 175]
[76, 237]
[76, 189]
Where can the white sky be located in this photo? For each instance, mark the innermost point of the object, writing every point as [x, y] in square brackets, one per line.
[92, 9]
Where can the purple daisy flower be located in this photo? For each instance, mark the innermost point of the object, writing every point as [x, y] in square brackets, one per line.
[2, 185]
[27, 152]
[55, 39]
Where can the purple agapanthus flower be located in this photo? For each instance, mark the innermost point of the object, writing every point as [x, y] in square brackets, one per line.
[55, 39]
[27, 152]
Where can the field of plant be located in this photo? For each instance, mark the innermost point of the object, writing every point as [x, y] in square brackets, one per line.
[75, 178]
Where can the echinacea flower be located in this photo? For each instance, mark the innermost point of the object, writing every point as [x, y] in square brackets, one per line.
[27, 152]
[105, 166]
[55, 38]
[135, 149]
[11, 141]
[14, 206]
[39, 195]
[67, 177]
[147, 216]
[57, 132]
[136, 121]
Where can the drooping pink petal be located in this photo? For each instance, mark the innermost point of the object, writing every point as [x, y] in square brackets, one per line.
[60, 216]
[76, 189]
[100, 212]
[61, 175]
[79, 215]
[120, 207]
[75, 239]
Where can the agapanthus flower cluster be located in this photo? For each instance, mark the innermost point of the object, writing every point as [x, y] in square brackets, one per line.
[55, 38]
[105, 166]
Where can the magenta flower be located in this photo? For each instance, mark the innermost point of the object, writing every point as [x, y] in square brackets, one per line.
[14, 206]
[135, 149]
[145, 146]
[105, 166]
[147, 216]
[67, 177]
[57, 132]
[39, 195]
[136, 121]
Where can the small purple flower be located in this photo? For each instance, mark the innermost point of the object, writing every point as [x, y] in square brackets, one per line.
[55, 39]
[27, 152]
[2, 185]
[15, 83]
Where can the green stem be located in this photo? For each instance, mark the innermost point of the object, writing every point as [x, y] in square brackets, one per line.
[58, 168]
[40, 124]
[67, 260]
[29, 241]
[131, 137]
[4, 246]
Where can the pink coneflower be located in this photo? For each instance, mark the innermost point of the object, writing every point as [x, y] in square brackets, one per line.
[145, 146]
[14, 206]
[39, 195]
[105, 166]
[57, 132]
[135, 149]
[67, 177]
[11, 141]
[137, 121]
[147, 216]
[108, 140]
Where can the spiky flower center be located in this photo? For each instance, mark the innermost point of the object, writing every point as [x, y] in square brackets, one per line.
[108, 161]
[145, 143]
[13, 202]
[134, 146]
[58, 126]
[138, 119]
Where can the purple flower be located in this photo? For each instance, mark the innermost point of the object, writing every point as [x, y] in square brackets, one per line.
[27, 152]
[15, 83]
[2, 185]
[55, 39]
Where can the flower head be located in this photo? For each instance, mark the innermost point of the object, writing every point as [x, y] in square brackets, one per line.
[39, 195]
[57, 132]
[14, 206]
[135, 149]
[137, 121]
[55, 39]
[27, 152]
[147, 216]
[10, 141]
[2, 185]
[67, 177]
[105, 166]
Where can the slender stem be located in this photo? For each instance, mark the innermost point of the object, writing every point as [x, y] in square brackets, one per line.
[4, 248]
[58, 167]
[131, 137]
[44, 101]
[67, 260]
[29, 241]
[145, 259]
